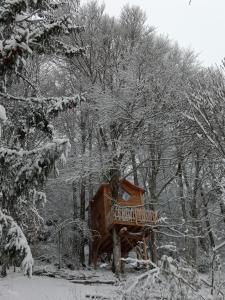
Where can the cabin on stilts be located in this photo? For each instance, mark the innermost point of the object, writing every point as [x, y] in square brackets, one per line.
[122, 224]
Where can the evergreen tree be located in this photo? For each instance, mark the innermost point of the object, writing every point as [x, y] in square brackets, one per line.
[28, 28]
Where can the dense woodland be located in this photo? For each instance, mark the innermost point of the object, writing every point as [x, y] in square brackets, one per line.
[86, 98]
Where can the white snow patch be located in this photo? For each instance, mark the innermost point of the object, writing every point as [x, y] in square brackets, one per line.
[18, 287]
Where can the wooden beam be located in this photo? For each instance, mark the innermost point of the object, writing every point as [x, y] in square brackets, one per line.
[145, 249]
[116, 252]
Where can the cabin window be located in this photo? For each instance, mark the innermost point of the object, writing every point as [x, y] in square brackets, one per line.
[123, 194]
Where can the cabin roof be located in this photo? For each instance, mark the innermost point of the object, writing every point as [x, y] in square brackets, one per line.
[131, 185]
[123, 181]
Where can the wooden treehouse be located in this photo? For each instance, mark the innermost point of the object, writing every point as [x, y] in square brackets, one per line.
[120, 226]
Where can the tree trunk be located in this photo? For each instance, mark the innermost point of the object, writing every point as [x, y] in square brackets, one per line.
[114, 181]
[181, 192]
[194, 213]
[222, 208]
[82, 217]
[134, 167]
[76, 247]
[90, 189]
[183, 206]
[59, 248]
[116, 161]
[90, 255]
[83, 181]
[153, 247]
[207, 220]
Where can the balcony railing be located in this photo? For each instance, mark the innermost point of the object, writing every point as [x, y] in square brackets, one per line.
[131, 216]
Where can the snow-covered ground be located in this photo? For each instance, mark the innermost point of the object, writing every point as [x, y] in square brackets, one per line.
[133, 285]
[18, 287]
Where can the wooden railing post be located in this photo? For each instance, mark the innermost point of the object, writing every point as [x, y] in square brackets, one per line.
[135, 215]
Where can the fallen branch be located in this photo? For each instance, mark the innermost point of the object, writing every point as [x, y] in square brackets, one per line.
[140, 261]
[93, 281]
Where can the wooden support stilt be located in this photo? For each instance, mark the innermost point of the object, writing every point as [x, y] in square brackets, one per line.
[95, 259]
[95, 255]
[154, 250]
[145, 249]
[116, 252]
[124, 255]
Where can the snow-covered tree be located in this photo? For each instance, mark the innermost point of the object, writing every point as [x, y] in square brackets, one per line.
[28, 28]
[133, 94]
[14, 248]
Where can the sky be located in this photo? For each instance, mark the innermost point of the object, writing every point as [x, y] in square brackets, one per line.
[199, 26]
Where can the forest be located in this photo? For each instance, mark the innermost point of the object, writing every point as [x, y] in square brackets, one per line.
[90, 100]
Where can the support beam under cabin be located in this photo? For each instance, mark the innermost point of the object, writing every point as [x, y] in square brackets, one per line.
[116, 252]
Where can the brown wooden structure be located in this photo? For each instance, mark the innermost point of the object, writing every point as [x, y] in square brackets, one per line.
[124, 221]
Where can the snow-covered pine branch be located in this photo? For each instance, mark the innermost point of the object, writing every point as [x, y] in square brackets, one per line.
[14, 246]
[3, 118]
[22, 170]
[37, 112]
[23, 38]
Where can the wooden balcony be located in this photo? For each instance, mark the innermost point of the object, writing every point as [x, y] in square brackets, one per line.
[131, 216]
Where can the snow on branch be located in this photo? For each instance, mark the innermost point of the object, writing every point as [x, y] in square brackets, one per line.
[54, 103]
[3, 117]
[70, 51]
[28, 169]
[134, 262]
[221, 245]
[36, 112]
[14, 243]
[10, 8]
[20, 37]
[172, 280]
[59, 104]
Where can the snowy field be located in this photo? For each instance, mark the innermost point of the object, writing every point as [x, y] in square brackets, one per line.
[18, 287]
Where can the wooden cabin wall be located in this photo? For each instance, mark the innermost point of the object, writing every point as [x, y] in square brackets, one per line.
[101, 207]
[107, 200]
[98, 215]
